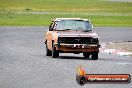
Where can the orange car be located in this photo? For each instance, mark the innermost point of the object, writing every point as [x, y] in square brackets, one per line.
[72, 35]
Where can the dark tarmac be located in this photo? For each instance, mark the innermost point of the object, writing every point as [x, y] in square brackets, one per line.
[23, 63]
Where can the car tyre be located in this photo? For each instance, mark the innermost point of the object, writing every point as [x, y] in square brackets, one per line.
[48, 52]
[55, 53]
[86, 55]
[95, 55]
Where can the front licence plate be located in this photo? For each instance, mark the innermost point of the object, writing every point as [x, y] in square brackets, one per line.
[78, 46]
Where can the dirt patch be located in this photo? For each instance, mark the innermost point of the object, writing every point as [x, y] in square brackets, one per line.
[124, 46]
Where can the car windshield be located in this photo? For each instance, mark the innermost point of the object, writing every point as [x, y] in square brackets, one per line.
[74, 25]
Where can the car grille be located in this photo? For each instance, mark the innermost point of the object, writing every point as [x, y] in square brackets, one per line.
[78, 40]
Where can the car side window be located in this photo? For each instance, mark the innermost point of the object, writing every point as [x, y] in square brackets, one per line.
[52, 26]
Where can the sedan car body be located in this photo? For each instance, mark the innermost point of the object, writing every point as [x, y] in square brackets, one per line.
[72, 35]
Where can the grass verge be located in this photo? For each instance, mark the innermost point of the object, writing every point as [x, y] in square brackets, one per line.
[30, 19]
[100, 12]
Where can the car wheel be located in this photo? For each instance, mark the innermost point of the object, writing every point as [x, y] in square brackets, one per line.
[86, 55]
[48, 52]
[55, 53]
[95, 55]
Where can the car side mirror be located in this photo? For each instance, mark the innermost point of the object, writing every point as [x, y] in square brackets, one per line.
[92, 26]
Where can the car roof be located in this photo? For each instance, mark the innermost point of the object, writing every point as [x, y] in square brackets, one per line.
[59, 19]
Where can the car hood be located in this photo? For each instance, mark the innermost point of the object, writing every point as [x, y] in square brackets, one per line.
[76, 34]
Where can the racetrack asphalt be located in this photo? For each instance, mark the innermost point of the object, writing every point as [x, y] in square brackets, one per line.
[23, 63]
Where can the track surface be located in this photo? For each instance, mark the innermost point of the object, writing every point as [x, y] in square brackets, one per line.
[23, 63]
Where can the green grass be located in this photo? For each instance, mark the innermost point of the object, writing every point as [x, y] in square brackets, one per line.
[66, 5]
[101, 13]
[45, 19]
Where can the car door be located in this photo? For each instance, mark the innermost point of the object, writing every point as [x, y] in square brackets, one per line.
[49, 35]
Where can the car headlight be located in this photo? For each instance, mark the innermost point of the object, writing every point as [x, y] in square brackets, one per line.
[61, 39]
[95, 40]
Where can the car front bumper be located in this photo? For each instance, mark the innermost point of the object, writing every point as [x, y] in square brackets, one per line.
[77, 47]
